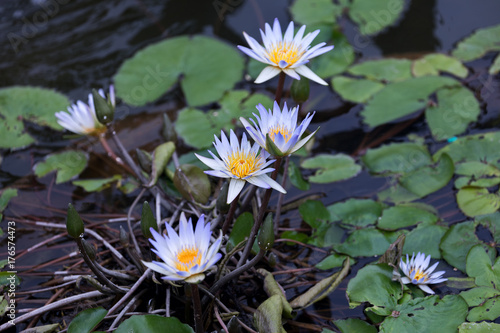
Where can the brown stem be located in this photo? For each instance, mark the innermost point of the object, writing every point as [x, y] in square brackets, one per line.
[198, 323]
[230, 214]
[281, 196]
[111, 153]
[279, 90]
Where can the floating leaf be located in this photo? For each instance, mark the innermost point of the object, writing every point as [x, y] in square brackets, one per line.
[314, 213]
[373, 284]
[7, 194]
[490, 310]
[366, 242]
[426, 239]
[457, 242]
[327, 235]
[33, 104]
[429, 314]
[351, 325]
[356, 212]
[478, 44]
[87, 320]
[68, 164]
[479, 147]
[397, 158]
[315, 11]
[96, 185]
[492, 222]
[428, 179]
[495, 67]
[197, 128]
[294, 235]
[332, 261]
[404, 216]
[434, 63]
[355, 90]
[208, 68]
[337, 60]
[399, 99]
[482, 327]
[477, 296]
[475, 201]
[332, 168]
[389, 70]
[374, 15]
[456, 108]
[153, 324]
[479, 265]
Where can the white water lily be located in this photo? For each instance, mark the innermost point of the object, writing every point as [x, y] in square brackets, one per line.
[281, 126]
[241, 164]
[81, 118]
[417, 273]
[187, 255]
[287, 53]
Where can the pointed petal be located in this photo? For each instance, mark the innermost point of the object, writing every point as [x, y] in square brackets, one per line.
[235, 187]
[306, 72]
[267, 73]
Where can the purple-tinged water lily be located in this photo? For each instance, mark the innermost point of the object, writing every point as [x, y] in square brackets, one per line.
[288, 53]
[277, 131]
[186, 256]
[81, 118]
[417, 272]
[240, 163]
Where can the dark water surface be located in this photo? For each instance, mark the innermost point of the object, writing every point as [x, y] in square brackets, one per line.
[74, 46]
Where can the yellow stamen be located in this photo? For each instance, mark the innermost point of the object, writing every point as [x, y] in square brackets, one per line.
[273, 131]
[281, 51]
[419, 274]
[187, 258]
[242, 165]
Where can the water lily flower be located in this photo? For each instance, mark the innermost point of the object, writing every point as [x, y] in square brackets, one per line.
[186, 256]
[81, 118]
[416, 272]
[287, 53]
[240, 163]
[277, 131]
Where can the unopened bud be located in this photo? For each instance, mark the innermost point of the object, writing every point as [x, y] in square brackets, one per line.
[89, 249]
[74, 223]
[300, 90]
[168, 131]
[124, 238]
[104, 110]
[147, 220]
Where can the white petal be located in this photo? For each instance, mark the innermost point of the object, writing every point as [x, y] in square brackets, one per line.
[291, 72]
[426, 288]
[235, 187]
[267, 73]
[306, 72]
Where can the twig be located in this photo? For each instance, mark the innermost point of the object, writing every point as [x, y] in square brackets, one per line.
[129, 223]
[130, 292]
[280, 197]
[125, 309]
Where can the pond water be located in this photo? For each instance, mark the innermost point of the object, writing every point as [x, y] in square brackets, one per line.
[79, 45]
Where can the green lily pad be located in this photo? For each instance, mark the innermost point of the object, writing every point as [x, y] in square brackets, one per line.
[479, 265]
[434, 63]
[490, 310]
[475, 201]
[404, 216]
[96, 185]
[426, 239]
[332, 261]
[153, 324]
[315, 11]
[397, 158]
[294, 235]
[429, 314]
[356, 212]
[478, 174]
[355, 90]
[457, 242]
[208, 68]
[351, 325]
[87, 320]
[7, 194]
[495, 67]
[479, 147]
[332, 168]
[388, 70]
[327, 235]
[456, 108]
[375, 15]
[429, 179]
[399, 99]
[477, 296]
[366, 242]
[197, 128]
[482, 327]
[492, 222]
[68, 164]
[482, 182]
[478, 44]
[314, 213]
[373, 284]
[336, 61]
[33, 104]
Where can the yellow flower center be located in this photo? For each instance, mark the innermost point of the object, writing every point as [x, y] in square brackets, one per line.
[281, 51]
[242, 165]
[187, 258]
[418, 275]
[279, 129]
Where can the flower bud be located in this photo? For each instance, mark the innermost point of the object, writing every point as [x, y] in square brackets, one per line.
[74, 224]
[272, 148]
[300, 90]
[145, 160]
[104, 109]
[147, 220]
[89, 249]
[168, 131]
[124, 238]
